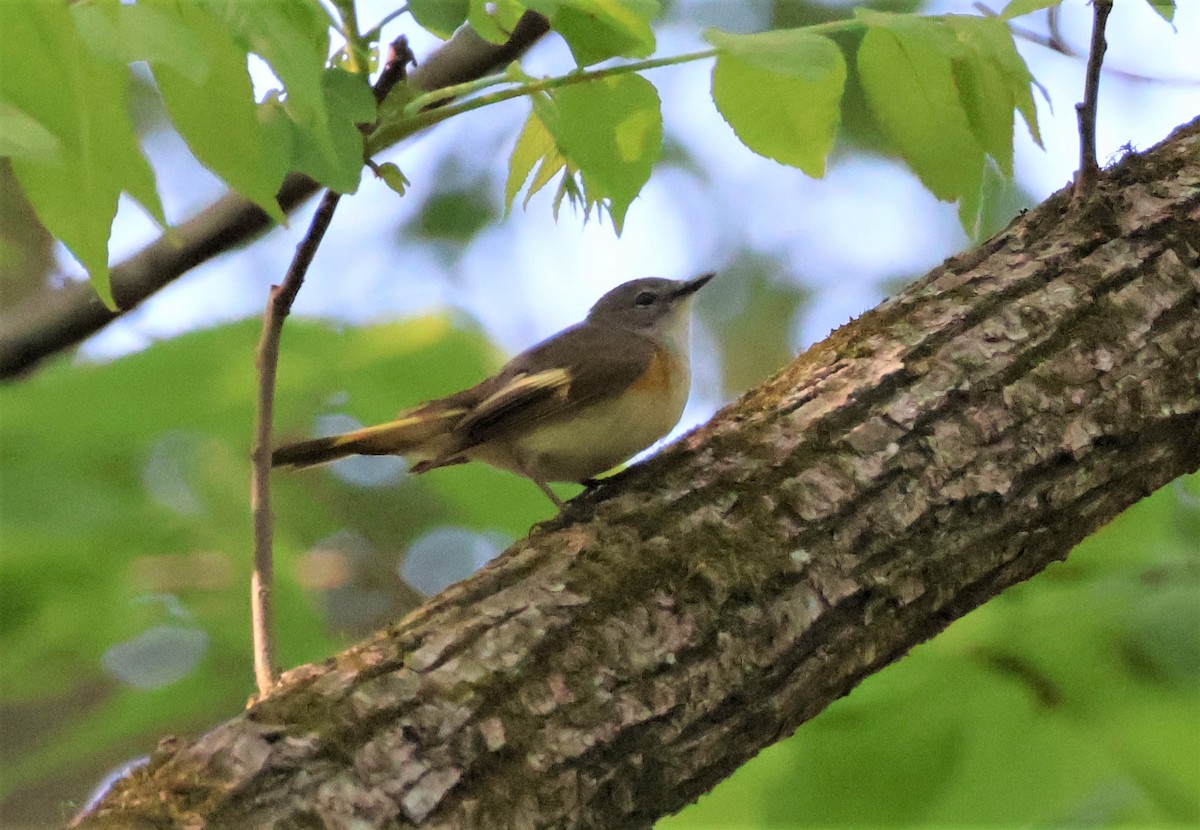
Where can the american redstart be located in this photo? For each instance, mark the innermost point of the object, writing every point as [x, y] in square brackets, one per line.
[567, 409]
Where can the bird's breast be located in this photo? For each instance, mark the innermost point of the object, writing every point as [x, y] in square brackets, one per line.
[602, 435]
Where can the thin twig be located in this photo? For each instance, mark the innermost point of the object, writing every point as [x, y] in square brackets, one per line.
[1054, 24]
[1089, 169]
[400, 56]
[279, 305]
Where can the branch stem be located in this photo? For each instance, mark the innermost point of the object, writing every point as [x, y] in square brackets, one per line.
[1089, 168]
[279, 304]
[423, 112]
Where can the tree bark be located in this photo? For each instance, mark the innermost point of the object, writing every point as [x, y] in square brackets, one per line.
[54, 320]
[667, 626]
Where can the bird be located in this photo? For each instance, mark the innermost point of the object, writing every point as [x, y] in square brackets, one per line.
[567, 409]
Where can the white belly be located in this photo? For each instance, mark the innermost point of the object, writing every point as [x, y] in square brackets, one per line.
[602, 436]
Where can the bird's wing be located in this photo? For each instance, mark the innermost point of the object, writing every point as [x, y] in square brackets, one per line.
[579, 366]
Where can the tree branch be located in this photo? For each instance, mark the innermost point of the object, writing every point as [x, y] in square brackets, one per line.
[59, 319]
[638, 648]
[279, 305]
[1089, 169]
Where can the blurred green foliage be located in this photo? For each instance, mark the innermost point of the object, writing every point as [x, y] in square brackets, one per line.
[124, 510]
[752, 313]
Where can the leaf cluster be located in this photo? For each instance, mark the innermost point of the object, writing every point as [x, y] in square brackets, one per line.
[943, 89]
[64, 90]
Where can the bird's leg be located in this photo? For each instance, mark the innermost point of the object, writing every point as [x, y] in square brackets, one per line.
[543, 486]
[546, 489]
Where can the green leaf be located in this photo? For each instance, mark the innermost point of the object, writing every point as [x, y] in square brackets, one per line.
[1165, 9]
[988, 103]
[348, 98]
[910, 87]
[781, 93]
[166, 35]
[930, 32]
[441, 17]
[53, 77]
[1017, 8]
[216, 115]
[992, 41]
[611, 129]
[293, 37]
[486, 20]
[569, 188]
[1000, 200]
[596, 30]
[349, 102]
[535, 146]
[393, 177]
[507, 13]
[22, 135]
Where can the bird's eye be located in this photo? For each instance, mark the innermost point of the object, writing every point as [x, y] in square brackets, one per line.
[644, 300]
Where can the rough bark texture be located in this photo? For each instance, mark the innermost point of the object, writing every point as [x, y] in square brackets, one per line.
[630, 654]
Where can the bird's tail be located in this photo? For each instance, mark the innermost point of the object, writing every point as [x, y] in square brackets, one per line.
[415, 434]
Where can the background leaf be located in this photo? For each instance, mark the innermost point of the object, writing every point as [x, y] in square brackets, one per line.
[441, 17]
[154, 506]
[909, 82]
[75, 194]
[611, 129]
[213, 110]
[781, 92]
[596, 30]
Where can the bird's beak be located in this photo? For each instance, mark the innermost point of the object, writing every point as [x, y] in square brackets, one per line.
[692, 286]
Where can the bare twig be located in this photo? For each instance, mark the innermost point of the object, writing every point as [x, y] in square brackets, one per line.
[58, 319]
[1089, 169]
[1054, 24]
[400, 56]
[279, 305]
